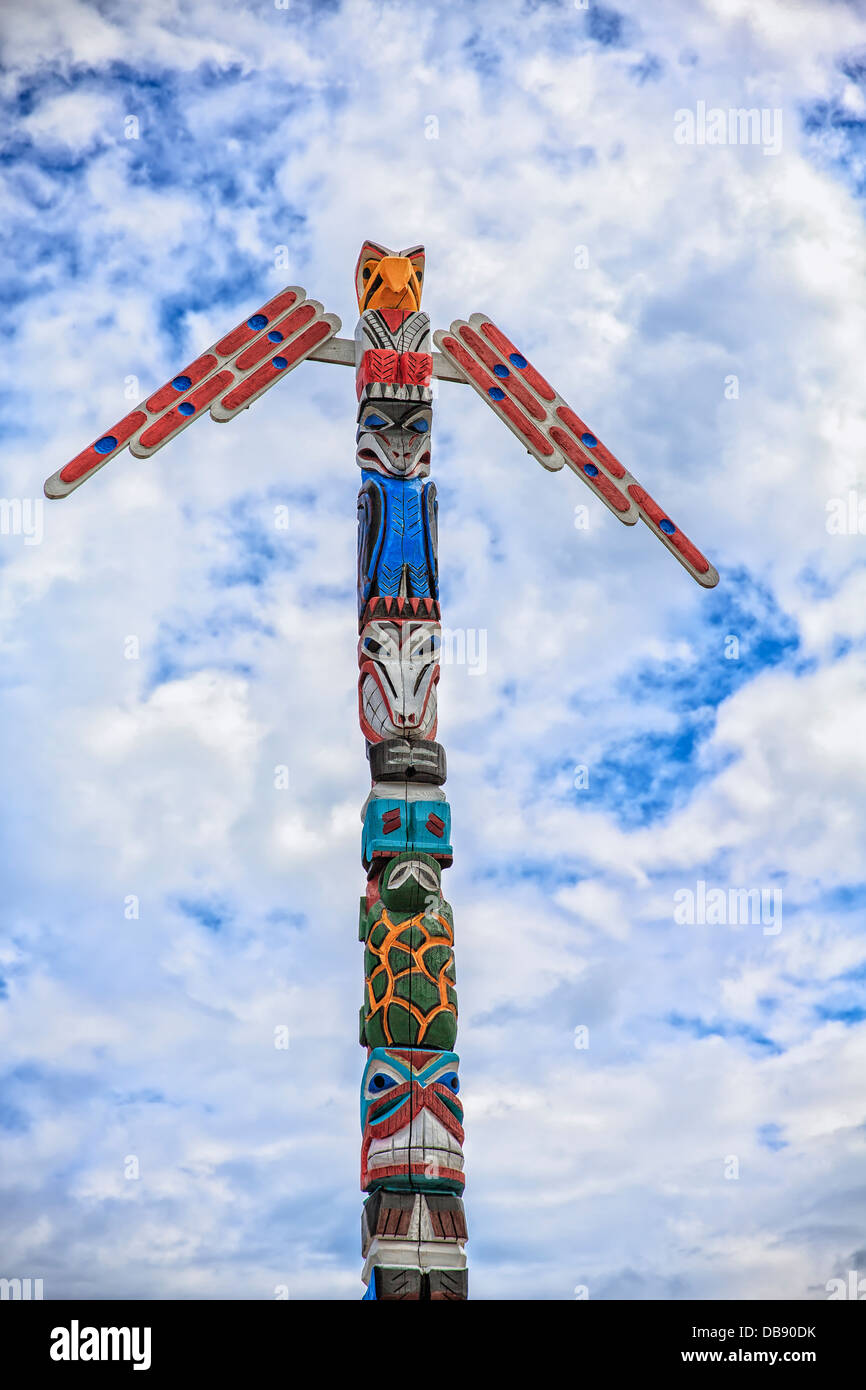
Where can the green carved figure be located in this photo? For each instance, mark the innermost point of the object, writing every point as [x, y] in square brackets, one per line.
[410, 995]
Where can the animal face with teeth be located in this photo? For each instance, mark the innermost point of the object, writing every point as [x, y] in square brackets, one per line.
[411, 1120]
[394, 438]
[399, 668]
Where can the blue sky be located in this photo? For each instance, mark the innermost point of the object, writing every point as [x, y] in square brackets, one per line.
[270, 143]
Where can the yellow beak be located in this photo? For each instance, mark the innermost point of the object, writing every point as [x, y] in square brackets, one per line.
[395, 271]
[397, 290]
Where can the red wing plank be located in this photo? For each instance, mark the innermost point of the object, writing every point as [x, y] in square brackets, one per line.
[584, 449]
[168, 397]
[517, 391]
[507, 348]
[171, 422]
[246, 331]
[269, 342]
[488, 387]
[194, 373]
[583, 434]
[578, 459]
[502, 382]
[676, 540]
[290, 352]
[241, 381]
[95, 455]
[494, 361]
[176, 404]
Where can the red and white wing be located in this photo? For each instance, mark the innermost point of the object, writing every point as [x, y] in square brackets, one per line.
[550, 430]
[233, 373]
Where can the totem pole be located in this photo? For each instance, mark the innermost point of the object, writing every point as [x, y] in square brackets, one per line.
[413, 1225]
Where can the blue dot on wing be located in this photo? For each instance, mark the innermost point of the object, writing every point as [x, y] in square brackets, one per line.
[274, 336]
[589, 440]
[667, 526]
[257, 321]
[181, 383]
[517, 360]
[105, 444]
[496, 393]
[280, 362]
[590, 469]
[186, 408]
[500, 370]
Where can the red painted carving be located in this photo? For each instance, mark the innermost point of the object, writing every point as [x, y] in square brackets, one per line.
[535, 379]
[680, 541]
[600, 453]
[174, 420]
[89, 458]
[517, 418]
[167, 394]
[243, 333]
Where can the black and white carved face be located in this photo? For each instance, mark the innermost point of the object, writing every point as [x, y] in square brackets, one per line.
[394, 438]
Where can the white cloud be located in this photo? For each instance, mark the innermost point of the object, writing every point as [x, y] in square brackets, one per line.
[153, 1036]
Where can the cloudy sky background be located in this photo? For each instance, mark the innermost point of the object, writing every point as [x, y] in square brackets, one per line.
[306, 128]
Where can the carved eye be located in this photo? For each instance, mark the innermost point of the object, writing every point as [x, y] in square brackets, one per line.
[375, 422]
[419, 274]
[371, 645]
[419, 426]
[366, 273]
[379, 1081]
[451, 1080]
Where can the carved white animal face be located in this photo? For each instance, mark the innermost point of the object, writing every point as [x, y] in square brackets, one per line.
[399, 663]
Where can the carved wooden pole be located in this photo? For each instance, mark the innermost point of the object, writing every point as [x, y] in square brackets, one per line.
[413, 1227]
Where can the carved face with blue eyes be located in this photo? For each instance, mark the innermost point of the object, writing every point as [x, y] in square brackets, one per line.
[394, 438]
[411, 1119]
